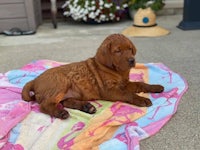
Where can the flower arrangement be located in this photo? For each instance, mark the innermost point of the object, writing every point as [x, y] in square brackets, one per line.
[153, 4]
[95, 10]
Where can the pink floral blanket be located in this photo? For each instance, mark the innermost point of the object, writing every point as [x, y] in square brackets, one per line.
[117, 125]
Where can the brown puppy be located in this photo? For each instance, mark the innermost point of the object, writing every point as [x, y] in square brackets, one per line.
[104, 77]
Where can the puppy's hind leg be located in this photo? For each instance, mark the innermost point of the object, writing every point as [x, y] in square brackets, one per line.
[51, 107]
[81, 105]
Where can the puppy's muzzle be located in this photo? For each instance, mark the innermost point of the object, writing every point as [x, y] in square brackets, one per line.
[131, 62]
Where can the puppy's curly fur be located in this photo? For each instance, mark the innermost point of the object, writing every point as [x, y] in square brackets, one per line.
[105, 77]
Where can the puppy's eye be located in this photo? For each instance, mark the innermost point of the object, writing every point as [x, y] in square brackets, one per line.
[118, 51]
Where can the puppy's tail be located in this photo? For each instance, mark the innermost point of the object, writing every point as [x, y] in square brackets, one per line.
[26, 92]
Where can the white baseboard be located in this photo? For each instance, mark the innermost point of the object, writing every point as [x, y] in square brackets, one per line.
[172, 7]
[173, 4]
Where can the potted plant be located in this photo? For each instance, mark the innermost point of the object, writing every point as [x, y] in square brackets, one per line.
[95, 10]
[155, 5]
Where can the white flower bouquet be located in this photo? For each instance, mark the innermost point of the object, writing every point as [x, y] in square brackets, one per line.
[95, 10]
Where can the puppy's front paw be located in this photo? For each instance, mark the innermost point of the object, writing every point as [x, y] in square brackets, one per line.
[145, 102]
[142, 102]
[157, 88]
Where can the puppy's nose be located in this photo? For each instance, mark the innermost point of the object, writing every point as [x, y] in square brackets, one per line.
[131, 61]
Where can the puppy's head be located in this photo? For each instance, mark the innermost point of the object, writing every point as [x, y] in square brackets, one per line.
[116, 52]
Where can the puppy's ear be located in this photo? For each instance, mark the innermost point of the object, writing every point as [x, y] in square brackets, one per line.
[103, 55]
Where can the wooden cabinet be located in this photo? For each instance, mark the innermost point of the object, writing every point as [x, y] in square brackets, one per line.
[23, 14]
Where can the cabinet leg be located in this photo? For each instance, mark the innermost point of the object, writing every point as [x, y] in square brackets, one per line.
[54, 13]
